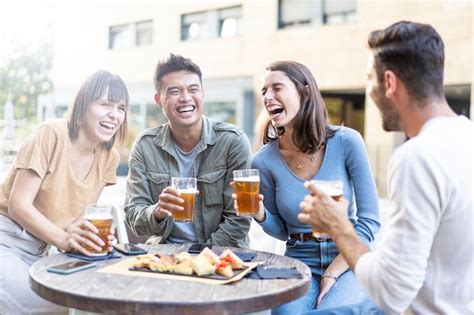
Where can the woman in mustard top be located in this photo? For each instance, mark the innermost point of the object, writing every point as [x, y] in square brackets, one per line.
[61, 167]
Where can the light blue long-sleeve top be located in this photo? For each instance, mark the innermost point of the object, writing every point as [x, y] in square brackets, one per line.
[345, 159]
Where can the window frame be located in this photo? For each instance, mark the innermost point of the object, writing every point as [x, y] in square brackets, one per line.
[213, 19]
[318, 14]
[133, 28]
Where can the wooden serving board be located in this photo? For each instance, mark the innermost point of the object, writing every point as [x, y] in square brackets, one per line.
[122, 267]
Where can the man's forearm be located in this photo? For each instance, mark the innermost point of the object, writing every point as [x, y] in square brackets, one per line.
[350, 246]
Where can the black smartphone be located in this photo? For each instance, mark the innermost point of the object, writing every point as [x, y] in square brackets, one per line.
[197, 248]
[129, 249]
[71, 267]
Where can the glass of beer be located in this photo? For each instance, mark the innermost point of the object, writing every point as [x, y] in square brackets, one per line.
[335, 189]
[247, 187]
[101, 216]
[187, 186]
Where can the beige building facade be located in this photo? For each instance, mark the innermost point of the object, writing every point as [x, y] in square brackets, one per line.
[233, 41]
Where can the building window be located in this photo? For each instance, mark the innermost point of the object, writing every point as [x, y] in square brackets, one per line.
[131, 35]
[120, 36]
[298, 12]
[144, 33]
[229, 20]
[294, 12]
[195, 26]
[339, 11]
[211, 24]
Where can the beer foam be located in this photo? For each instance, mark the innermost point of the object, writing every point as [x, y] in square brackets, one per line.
[188, 191]
[248, 179]
[334, 192]
[331, 191]
[98, 216]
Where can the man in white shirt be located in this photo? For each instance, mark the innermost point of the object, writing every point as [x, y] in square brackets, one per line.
[424, 262]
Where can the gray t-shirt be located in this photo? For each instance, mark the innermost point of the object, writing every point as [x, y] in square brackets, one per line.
[183, 232]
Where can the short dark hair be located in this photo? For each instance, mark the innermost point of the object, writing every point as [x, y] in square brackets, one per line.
[415, 53]
[94, 88]
[172, 64]
[311, 122]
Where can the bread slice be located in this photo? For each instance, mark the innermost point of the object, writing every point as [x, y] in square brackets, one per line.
[167, 259]
[209, 255]
[232, 258]
[183, 256]
[202, 266]
[226, 271]
[184, 268]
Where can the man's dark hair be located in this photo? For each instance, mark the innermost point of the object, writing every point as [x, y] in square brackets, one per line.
[415, 53]
[311, 122]
[173, 64]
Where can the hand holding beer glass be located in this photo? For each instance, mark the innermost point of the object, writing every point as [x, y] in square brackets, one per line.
[187, 187]
[101, 216]
[333, 188]
[247, 186]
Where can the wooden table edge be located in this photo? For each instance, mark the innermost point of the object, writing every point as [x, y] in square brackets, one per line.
[105, 305]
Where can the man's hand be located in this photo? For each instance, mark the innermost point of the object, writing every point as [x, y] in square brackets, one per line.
[323, 212]
[330, 216]
[167, 203]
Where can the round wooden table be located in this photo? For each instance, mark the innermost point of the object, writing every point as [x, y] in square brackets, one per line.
[108, 293]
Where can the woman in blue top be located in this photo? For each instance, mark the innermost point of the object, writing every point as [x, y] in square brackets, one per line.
[300, 145]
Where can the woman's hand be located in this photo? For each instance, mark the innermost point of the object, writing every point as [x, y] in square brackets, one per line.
[260, 215]
[82, 233]
[335, 269]
[324, 286]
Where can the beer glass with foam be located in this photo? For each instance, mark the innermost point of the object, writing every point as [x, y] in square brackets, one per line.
[335, 189]
[187, 186]
[101, 216]
[247, 187]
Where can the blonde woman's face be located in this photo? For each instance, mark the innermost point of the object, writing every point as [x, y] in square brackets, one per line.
[280, 98]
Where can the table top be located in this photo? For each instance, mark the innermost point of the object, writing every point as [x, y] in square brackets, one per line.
[94, 291]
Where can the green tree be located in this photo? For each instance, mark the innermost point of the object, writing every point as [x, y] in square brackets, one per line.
[25, 76]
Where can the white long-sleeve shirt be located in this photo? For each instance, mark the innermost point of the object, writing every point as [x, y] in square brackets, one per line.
[424, 262]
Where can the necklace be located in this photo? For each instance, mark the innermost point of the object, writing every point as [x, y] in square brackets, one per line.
[311, 157]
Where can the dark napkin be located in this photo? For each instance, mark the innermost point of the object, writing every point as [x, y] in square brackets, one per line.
[245, 256]
[110, 255]
[267, 272]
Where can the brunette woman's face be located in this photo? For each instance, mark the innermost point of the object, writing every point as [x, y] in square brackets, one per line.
[103, 119]
[281, 98]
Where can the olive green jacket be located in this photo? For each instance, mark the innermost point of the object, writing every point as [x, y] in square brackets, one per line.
[222, 149]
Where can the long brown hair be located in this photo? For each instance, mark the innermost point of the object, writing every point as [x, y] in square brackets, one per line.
[311, 122]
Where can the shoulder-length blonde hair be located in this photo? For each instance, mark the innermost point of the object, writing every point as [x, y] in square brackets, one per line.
[94, 88]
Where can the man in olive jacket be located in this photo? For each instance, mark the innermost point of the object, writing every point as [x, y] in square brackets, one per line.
[188, 145]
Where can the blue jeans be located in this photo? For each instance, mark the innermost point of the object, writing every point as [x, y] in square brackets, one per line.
[366, 307]
[318, 256]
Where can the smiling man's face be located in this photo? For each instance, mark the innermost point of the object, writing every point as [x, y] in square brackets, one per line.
[181, 98]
